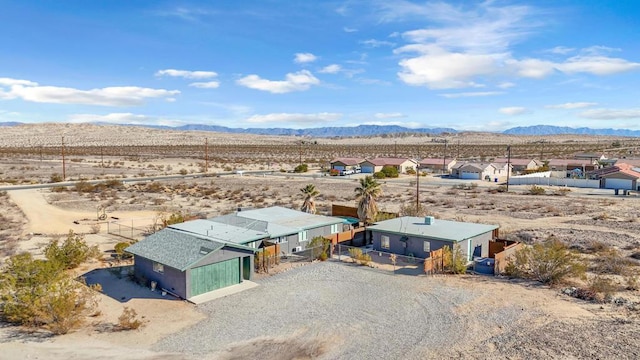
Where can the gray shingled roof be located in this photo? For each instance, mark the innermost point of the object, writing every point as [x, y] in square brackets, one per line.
[175, 248]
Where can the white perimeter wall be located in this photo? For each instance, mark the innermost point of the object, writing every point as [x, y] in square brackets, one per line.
[540, 180]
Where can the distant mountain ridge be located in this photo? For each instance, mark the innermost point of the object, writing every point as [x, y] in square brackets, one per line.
[375, 130]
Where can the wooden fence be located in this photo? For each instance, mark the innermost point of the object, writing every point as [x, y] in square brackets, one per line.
[350, 211]
[436, 262]
[501, 251]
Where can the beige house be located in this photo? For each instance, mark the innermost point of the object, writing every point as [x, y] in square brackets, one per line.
[371, 166]
[519, 166]
[434, 165]
[479, 171]
[341, 164]
[621, 176]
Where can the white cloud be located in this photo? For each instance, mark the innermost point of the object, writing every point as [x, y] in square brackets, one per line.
[444, 70]
[597, 65]
[303, 58]
[187, 74]
[376, 43]
[349, 30]
[513, 110]
[561, 50]
[298, 81]
[294, 118]
[610, 114]
[389, 115]
[12, 82]
[206, 85]
[531, 68]
[597, 50]
[331, 69]
[109, 96]
[471, 94]
[506, 85]
[571, 105]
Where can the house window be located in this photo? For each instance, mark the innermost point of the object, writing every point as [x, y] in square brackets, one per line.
[426, 246]
[159, 268]
[384, 241]
[335, 228]
[302, 235]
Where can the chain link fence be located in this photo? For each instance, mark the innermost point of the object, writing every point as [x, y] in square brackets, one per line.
[398, 264]
[265, 261]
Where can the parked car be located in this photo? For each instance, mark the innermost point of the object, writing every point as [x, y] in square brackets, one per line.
[347, 172]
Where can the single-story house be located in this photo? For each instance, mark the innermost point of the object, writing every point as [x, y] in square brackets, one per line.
[371, 166]
[418, 236]
[621, 176]
[633, 162]
[571, 164]
[341, 164]
[436, 165]
[188, 264]
[479, 171]
[592, 157]
[291, 229]
[519, 166]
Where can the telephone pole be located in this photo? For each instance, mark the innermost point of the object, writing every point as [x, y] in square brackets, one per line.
[444, 158]
[206, 155]
[508, 165]
[64, 171]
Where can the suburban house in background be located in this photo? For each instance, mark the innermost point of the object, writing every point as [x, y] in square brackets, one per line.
[371, 166]
[621, 176]
[418, 236]
[188, 265]
[342, 164]
[592, 157]
[198, 256]
[570, 166]
[433, 165]
[519, 166]
[479, 171]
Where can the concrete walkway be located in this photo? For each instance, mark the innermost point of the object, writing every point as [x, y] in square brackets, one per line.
[229, 290]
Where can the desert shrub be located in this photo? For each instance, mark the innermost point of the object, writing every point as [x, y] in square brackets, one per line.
[154, 187]
[128, 320]
[83, 186]
[602, 216]
[322, 244]
[562, 191]
[632, 282]
[536, 190]
[379, 175]
[119, 249]
[390, 171]
[548, 262]
[602, 286]
[610, 261]
[454, 260]
[183, 171]
[302, 168]
[55, 178]
[95, 228]
[357, 255]
[411, 172]
[412, 210]
[38, 293]
[72, 252]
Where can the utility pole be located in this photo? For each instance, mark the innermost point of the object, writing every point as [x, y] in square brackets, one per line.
[395, 148]
[444, 157]
[300, 153]
[101, 158]
[417, 188]
[458, 152]
[206, 155]
[508, 165]
[64, 171]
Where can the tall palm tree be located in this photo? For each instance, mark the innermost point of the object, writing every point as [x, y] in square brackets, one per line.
[366, 194]
[309, 204]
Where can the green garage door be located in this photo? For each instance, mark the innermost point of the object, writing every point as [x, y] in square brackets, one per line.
[215, 276]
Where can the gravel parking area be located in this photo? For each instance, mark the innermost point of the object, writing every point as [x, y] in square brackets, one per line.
[333, 310]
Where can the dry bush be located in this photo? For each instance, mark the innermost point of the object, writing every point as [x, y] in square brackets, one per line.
[536, 190]
[632, 282]
[603, 216]
[128, 320]
[95, 228]
[611, 261]
[603, 287]
[562, 191]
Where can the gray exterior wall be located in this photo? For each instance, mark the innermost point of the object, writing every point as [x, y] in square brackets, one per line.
[293, 242]
[415, 245]
[172, 279]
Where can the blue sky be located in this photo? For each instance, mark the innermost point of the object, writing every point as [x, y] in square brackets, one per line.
[470, 65]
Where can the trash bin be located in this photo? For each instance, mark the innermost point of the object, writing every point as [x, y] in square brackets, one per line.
[495, 179]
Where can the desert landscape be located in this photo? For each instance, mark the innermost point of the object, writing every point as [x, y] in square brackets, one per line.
[326, 309]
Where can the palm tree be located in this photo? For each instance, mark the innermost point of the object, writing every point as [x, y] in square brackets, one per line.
[366, 194]
[309, 204]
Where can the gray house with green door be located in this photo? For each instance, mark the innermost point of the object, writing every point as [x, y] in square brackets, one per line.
[418, 236]
[188, 265]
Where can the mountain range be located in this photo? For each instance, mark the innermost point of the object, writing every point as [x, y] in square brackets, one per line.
[375, 130]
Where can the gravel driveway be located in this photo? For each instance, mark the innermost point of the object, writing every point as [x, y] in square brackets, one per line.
[341, 311]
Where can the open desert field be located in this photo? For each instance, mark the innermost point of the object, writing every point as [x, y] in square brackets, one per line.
[326, 310]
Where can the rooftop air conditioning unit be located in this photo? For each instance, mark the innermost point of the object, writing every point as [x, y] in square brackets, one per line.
[429, 220]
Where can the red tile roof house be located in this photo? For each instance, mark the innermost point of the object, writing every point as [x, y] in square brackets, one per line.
[519, 166]
[345, 163]
[436, 165]
[632, 162]
[371, 166]
[621, 176]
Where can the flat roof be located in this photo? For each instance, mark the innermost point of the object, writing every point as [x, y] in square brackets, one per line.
[220, 231]
[283, 221]
[445, 230]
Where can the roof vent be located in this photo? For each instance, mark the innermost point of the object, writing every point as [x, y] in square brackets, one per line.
[429, 220]
[204, 250]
